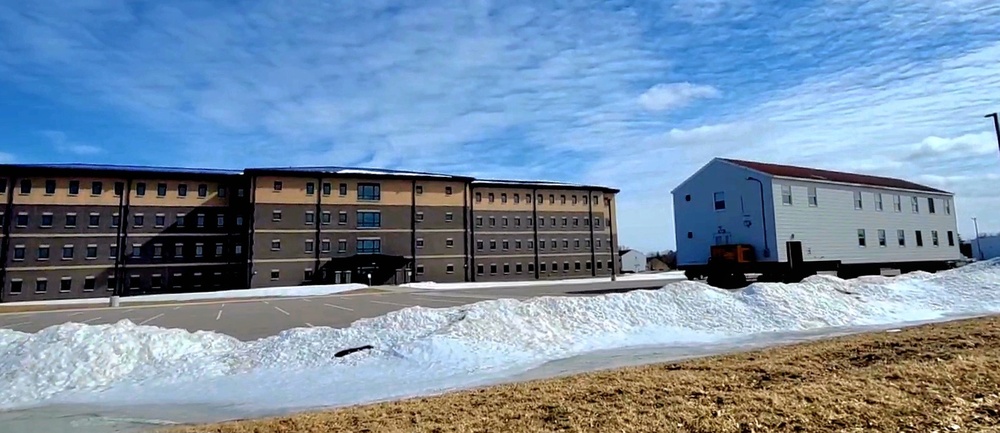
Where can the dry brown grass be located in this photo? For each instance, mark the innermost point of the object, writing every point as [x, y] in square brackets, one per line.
[930, 378]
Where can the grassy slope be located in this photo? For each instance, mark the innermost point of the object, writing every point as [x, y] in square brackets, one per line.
[930, 378]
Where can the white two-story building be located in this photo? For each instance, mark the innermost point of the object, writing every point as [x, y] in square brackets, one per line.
[831, 220]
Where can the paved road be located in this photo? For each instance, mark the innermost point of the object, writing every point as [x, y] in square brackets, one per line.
[252, 319]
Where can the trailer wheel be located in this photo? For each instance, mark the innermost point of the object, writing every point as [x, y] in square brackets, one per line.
[692, 275]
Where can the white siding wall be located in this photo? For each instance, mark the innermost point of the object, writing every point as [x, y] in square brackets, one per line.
[633, 261]
[829, 231]
[699, 217]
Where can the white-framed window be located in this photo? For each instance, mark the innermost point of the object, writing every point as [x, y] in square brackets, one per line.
[720, 200]
[858, 201]
[878, 201]
[786, 195]
[881, 238]
[861, 238]
[915, 204]
[901, 237]
[813, 200]
[897, 203]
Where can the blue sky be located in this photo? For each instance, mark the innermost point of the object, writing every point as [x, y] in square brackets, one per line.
[632, 94]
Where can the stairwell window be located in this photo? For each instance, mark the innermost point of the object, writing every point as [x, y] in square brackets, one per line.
[720, 201]
[369, 219]
[861, 238]
[369, 246]
[786, 195]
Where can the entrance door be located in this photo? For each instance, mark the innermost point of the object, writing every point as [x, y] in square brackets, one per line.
[794, 250]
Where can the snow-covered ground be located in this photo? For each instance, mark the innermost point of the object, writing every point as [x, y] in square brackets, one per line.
[651, 276]
[269, 292]
[106, 372]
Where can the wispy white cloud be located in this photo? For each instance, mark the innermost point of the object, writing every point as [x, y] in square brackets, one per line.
[61, 144]
[662, 97]
[629, 94]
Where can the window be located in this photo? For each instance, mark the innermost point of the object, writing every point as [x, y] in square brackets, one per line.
[3, 186]
[25, 186]
[46, 220]
[180, 220]
[182, 190]
[140, 189]
[915, 204]
[275, 274]
[576, 243]
[930, 204]
[327, 217]
[157, 281]
[479, 221]
[479, 245]
[88, 284]
[480, 269]
[813, 201]
[367, 219]
[597, 222]
[325, 245]
[574, 199]
[95, 220]
[199, 250]
[479, 197]
[420, 242]
[506, 245]
[420, 216]
[277, 185]
[310, 246]
[449, 268]
[41, 285]
[222, 192]
[219, 249]
[420, 189]
[517, 244]
[493, 268]
[448, 191]
[449, 217]
[157, 251]
[91, 251]
[517, 198]
[112, 283]
[505, 222]
[239, 221]
[565, 266]
[139, 219]
[934, 238]
[343, 189]
[327, 188]
[450, 243]
[552, 199]
[543, 267]
[491, 197]
[137, 250]
[897, 203]
[342, 246]
[275, 244]
[576, 266]
[565, 243]
[951, 238]
[562, 199]
[858, 200]
[506, 268]
[503, 197]
[920, 239]
[369, 246]
[119, 188]
[493, 244]
[74, 187]
[786, 194]
[161, 190]
[18, 252]
[160, 220]
[310, 188]
[22, 219]
[881, 238]
[369, 191]
[310, 217]
[720, 201]
[531, 245]
[201, 220]
[67, 253]
[65, 284]
[576, 221]
[50, 186]
[901, 237]
[861, 237]
[276, 215]
[96, 188]
[220, 221]
[541, 244]
[43, 252]
[71, 220]
[202, 190]
[420, 269]
[113, 251]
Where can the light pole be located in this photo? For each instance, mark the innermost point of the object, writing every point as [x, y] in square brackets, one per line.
[763, 215]
[979, 245]
[996, 126]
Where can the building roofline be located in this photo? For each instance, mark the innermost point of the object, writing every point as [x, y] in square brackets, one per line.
[821, 175]
[542, 184]
[355, 172]
[123, 171]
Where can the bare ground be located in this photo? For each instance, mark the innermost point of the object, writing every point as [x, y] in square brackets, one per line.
[942, 377]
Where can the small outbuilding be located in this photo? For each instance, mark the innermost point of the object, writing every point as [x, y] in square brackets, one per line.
[632, 261]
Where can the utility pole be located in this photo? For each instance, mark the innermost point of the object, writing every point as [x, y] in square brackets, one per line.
[979, 246]
[996, 126]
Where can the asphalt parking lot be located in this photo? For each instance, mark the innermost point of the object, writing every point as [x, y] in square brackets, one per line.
[257, 318]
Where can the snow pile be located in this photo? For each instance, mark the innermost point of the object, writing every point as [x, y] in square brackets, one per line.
[267, 292]
[420, 350]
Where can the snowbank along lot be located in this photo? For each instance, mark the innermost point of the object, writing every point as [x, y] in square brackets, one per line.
[105, 369]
